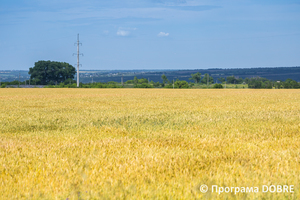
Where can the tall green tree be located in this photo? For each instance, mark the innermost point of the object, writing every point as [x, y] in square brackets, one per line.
[196, 77]
[231, 79]
[142, 80]
[210, 79]
[221, 79]
[45, 72]
[165, 80]
[135, 80]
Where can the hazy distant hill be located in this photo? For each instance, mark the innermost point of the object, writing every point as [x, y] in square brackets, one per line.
[278, 73]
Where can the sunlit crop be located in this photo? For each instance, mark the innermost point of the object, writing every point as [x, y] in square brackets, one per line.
[147, 143]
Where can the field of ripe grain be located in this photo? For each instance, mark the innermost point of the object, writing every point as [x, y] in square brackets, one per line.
[147, 143]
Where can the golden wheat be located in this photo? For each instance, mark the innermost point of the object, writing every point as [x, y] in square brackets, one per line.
[147, 144]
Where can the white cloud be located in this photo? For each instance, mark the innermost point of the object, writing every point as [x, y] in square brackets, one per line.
[163, 34]
[123, 33]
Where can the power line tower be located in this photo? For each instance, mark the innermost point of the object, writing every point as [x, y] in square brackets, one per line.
[78, 54]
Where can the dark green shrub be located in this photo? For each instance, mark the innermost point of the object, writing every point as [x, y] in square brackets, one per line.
[218, 86]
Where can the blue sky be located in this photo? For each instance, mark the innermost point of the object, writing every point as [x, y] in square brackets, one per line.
[151, 34]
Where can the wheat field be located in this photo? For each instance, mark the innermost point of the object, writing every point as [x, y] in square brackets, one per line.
[147, 143]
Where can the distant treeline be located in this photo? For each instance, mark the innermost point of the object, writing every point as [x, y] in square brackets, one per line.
[265, 83]
[88, 76]
[257, 82]
[197, 81]
[274, 74]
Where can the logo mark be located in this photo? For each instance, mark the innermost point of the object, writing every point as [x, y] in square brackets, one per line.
[203, 188]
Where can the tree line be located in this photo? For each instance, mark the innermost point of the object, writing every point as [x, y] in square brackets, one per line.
[255, 82]
[61, 74]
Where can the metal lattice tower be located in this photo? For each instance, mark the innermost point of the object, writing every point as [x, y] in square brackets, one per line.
[78, 54]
